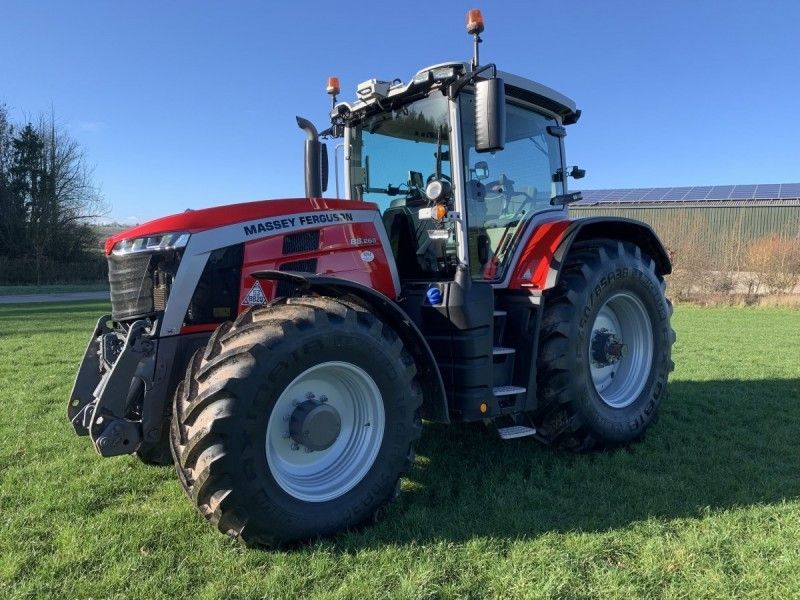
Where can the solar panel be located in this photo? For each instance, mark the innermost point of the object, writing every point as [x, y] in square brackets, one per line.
[720, 192]
[654, 194]
[590, 196]
[763, 191]
[676, 193]
[772, 190]
[790, 190]
[743, 192]
[697, 193]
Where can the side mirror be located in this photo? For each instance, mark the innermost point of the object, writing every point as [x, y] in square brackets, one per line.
[490, 115]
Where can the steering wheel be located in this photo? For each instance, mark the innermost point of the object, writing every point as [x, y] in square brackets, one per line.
[505, 187]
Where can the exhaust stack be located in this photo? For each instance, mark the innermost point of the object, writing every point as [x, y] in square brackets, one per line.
[313, 159]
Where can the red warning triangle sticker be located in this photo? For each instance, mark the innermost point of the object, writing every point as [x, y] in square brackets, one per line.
[255, 295]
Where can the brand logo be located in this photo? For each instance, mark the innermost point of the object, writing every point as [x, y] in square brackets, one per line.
[297, 221]
[367, 256]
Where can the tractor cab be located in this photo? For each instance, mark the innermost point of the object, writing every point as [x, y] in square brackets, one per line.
[458, 164]
[462, 161]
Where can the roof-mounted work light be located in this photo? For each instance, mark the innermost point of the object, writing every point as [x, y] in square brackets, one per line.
[475, 28]
[333, 89]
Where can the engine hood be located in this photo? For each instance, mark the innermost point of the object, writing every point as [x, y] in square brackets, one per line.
[193, 221]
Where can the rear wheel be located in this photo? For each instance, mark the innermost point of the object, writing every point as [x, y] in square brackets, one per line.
[296, 421]
[605, 347]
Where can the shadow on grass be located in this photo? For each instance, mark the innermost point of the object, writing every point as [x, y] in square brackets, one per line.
[717, 445]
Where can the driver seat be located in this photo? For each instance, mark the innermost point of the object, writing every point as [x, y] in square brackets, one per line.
[402, 231]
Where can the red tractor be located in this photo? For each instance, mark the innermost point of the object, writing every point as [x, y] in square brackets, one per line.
[284, 353]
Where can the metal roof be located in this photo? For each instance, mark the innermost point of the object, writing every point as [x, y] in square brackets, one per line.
[539, 94]
[697, 194]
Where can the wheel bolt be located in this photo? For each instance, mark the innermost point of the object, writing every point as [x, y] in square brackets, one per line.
[323, 398]
[310, 396]
[286, 435]
[295, 446]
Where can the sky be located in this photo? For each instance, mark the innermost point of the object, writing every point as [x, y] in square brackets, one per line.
[191, 104]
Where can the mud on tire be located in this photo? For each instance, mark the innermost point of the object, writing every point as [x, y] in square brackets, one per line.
[223, 407]
[572, 413]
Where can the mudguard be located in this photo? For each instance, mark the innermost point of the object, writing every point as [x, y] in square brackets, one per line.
[434, 404]
[539, 267]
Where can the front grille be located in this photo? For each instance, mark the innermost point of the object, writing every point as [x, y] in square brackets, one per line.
[305, 241]
[131, 286]
[286, 288]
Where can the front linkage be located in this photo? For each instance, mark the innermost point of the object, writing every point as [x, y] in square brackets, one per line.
[114, 367]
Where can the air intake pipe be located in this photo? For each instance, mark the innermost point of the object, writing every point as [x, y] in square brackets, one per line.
[316, 160]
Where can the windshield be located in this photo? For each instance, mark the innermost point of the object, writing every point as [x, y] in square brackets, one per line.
[391, 158]
[506, 188]
[394, 154]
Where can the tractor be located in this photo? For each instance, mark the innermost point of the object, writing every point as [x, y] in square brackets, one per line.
[283, 354]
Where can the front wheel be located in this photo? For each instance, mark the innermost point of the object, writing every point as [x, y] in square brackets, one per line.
[296, 421]
[605, 347]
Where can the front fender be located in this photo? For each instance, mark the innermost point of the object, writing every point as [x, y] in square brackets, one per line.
[434, 405]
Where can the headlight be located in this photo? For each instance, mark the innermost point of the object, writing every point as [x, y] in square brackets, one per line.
[151, 243]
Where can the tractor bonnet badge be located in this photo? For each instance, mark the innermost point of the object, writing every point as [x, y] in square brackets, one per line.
[255, 295]
[367, 256]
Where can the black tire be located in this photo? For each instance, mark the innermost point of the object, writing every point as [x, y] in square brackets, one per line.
[572, 414]
[223, 406]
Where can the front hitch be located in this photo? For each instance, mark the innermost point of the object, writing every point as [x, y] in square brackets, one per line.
[98, 403]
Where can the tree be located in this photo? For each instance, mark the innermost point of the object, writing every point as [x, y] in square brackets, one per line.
[13, 222]
[47, 193]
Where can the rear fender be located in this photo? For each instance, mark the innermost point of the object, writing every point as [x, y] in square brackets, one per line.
[541, 263]
[434, 404]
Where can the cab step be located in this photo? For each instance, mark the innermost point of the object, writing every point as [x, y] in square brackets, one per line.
[507, 390]
[515, 431]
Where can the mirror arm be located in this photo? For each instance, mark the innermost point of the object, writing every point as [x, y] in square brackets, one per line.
[458, 84]
[565, 199]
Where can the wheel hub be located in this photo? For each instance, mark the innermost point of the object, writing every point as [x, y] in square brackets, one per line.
[607, 348]
[321, 444]
[315, 425]
[621, 349]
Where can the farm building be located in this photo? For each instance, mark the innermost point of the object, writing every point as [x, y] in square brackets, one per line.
[752, 211]
[727, 229]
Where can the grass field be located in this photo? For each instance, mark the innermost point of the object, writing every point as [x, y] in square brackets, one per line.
[707, 506]
[58, 288]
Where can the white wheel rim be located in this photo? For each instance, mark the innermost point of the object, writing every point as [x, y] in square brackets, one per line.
[321, 475]
[624, 317]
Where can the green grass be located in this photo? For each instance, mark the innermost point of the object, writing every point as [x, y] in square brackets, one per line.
[706, 506]
[58, 288]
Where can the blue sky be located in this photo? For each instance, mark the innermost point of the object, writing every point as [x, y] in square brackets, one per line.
[192, 104]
